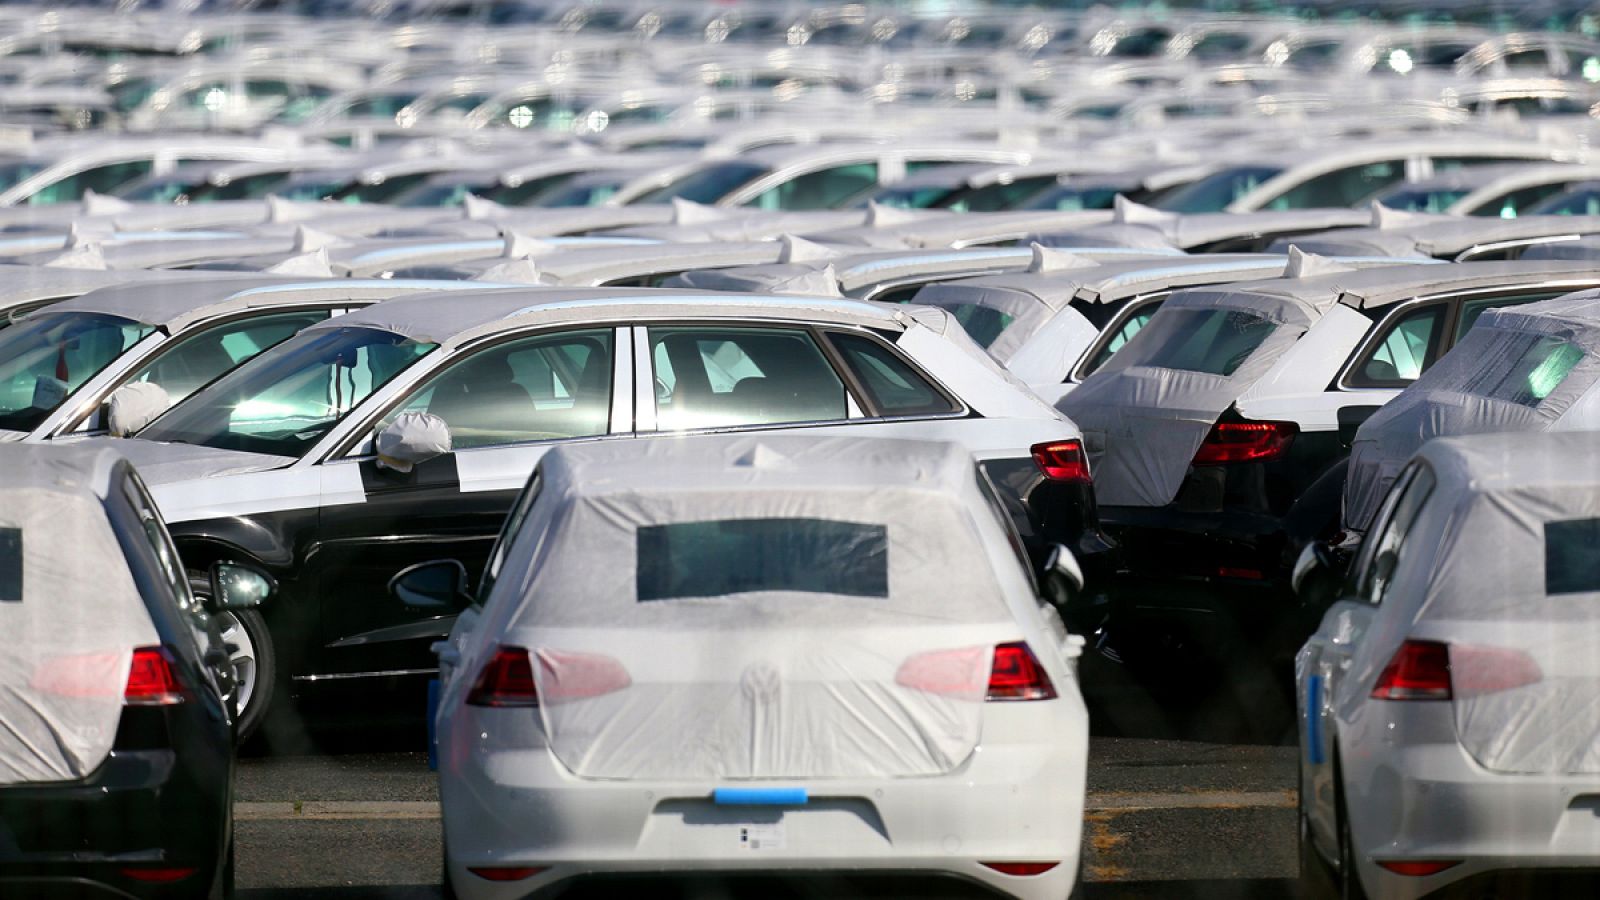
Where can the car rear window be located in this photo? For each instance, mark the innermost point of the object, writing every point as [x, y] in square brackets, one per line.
[1527, 370]
[10, 565]
[737, 556]
[1213, 341]
[1570, 564]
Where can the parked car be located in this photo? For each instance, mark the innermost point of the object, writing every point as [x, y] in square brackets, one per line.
[278, 462]
[1448, 723]
[116, 770]
[1219, 432]
[762, 654]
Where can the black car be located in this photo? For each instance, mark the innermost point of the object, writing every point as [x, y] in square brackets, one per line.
[116, 731]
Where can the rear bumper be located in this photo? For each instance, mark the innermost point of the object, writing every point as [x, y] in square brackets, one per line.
[1542, 828]
[1008, 802]
[137, 810]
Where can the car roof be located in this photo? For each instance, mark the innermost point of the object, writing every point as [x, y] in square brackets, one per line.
[1384, 285]
[1499, 463]
[454, 320]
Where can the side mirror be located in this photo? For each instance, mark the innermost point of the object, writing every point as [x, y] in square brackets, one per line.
[133, 406]
[439, 586]
[235, 586]
[1061, 562]
[412, 438]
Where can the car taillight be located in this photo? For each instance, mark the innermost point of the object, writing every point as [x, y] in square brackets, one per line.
[1021, 868]
[152, 681]
[158, 875]
[1062, 461]
[505, 873]
[1419, 670]
[506, 680]
[1239, 442]
[1017, 675]
[1475, 671]
[1418, 868]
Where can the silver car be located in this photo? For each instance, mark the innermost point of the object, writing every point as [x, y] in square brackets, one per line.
[1450, 734]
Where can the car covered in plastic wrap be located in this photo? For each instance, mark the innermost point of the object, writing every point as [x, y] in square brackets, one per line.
[758, 654]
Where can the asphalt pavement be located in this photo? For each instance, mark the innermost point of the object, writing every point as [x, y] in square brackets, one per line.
[1163, 819]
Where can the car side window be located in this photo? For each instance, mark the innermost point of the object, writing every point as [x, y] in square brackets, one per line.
[1387, 544]
[1121, 333]
[893, 386]
[155, 535]
[1407, 345]
[1472, 309]
[823, 189]
[508, 533]
[1342, 187]
[542, 388]
[101, 179]
[195, 360]
[722, 377]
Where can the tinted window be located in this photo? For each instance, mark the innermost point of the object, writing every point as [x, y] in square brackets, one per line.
[1385, 549]
[982, 323]
[892, 385]
[825, 189]
[728, 377]
[545, 388]
[1472, 309]
[1214, 192]
[43, 359]
[1571, 565]
[1527, 371]
[1517, 202]
[1214, 341]
[282, 402]
[1409, 346]
[1344, 187]
[528, 191]
[706, 185]
[102, 180]
[10, 565]
[1121, 334]
[196, 360]
[738, 556]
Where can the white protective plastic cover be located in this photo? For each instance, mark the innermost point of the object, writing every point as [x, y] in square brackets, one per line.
[759, 612]
[1143, 421]
[1521, 368]
[72, 618]
[1514, 589]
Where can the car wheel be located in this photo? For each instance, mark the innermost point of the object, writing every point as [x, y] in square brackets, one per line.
[1349, 881]
[250, 654]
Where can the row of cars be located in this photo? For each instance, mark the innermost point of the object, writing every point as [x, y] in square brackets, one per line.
[308, 441]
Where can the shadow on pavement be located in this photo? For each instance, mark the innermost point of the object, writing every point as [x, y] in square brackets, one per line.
[752, 889]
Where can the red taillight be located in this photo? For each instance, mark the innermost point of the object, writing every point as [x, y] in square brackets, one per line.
[1475, 671]
[507, 680]
[163, 875]
[963, 672]
[579, 676]
[1021, 868]
[1419, 670]
[1062, 461]
[1238, 442]
[152, 680]
[505, 873]
[1017, 675]
[1418, 867]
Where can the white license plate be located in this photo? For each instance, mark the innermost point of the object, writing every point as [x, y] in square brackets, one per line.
[764, 836]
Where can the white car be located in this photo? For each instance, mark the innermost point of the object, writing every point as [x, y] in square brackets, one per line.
[1450, 735]
[757, 654]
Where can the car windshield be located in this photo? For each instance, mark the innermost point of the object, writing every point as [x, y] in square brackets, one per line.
[444, 194]
[1212, 341]
[46, 357]
[1573, 203]
[528, 192]
[1068, 199]
[1216, 191]
[588, 191]
[286, 399]
[707, 184]
[1433, 200]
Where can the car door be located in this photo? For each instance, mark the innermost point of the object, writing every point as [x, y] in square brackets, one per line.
[1325, 665]
[506, 403]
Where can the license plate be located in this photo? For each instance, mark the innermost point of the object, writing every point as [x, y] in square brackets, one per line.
[766, 836]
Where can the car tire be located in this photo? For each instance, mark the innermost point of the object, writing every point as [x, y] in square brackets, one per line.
[1349, 881]
[254, 661]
